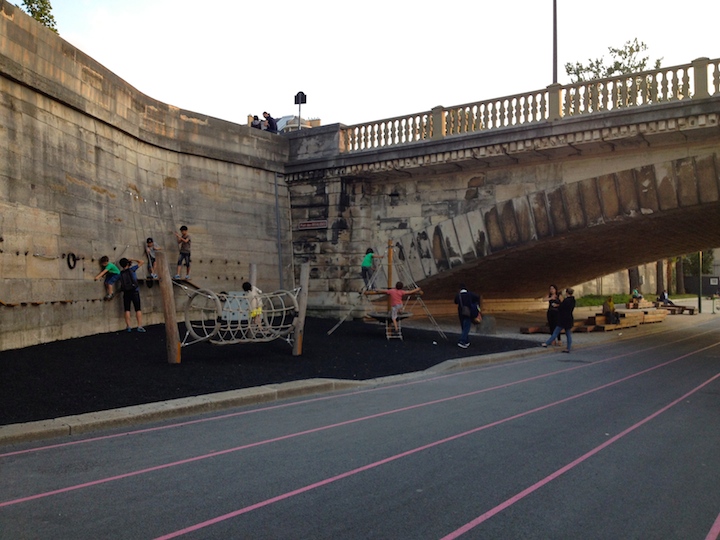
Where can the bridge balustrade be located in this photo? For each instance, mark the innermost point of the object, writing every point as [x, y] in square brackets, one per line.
[697, 80]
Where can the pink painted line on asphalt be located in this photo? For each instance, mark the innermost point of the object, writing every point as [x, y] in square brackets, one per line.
[314, 400]
[319, 429]
[524, 493]
[277, 439]
[390, 459]
[714, 533]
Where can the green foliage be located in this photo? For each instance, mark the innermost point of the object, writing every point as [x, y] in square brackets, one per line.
[619, 299]
[690, 263]
[624, 60]
[41, 11]
[599, 299]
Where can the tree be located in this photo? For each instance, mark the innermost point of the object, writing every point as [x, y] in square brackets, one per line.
[624, 60]
[690, 263]
[41, 11]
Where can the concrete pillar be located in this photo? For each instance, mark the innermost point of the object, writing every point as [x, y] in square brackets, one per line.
[700, 78]
[554, 102]
[438, 118]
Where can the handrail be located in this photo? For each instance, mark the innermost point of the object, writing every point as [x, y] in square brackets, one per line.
[696, 80]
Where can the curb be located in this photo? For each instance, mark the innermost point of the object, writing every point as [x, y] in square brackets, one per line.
[162, 410]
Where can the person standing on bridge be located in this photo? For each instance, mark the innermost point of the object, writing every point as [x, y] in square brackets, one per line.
[565, 320]
[468, 308]
[270, 123]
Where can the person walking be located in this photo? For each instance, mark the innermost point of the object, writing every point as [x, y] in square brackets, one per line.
[565, 320]
[468, 306]
[553, 299]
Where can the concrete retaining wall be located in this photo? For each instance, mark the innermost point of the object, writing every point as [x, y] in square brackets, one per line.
[89, 166]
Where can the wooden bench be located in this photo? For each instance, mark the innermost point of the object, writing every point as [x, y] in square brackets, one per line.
[639, 303]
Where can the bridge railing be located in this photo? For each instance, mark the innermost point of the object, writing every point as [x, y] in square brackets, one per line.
[697, 80]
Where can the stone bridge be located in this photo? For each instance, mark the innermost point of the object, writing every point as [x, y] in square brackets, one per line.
[560, 185]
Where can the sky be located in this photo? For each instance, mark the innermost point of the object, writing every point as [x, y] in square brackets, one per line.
[364, 61]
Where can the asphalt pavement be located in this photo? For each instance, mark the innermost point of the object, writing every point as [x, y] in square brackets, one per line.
[616, 440]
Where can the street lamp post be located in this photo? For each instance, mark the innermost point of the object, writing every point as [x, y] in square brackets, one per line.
[699, 281]
[554, 42]
[300, 98]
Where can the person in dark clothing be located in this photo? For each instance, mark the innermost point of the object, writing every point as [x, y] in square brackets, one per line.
[565, 320]
[270, 122]
[553, 298]
[256, 123]
[468, 308]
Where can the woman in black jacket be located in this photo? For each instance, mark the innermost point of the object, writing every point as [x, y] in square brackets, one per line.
[565, 320]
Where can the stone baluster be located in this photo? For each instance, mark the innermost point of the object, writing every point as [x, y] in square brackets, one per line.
[685, 92]
[367, 137]
[654, 88]
[604, 97]
[634, 92]
[674, 87]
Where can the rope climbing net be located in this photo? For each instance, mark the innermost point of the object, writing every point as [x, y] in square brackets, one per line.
[228, 318]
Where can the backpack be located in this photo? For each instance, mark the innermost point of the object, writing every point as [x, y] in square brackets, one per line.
[128, 281]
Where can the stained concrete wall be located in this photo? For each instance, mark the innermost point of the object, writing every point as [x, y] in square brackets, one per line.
[91, 166]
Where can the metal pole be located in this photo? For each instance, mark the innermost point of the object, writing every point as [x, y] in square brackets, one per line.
[699, 281]
[554, 80]
[277, 223]
[390, 271]
[299, 115]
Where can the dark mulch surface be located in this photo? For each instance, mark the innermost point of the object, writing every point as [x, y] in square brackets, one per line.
[121, 369]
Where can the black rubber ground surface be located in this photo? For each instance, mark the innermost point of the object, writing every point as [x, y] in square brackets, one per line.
[120, 369]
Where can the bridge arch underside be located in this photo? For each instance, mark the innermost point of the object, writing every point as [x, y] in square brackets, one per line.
[525, 270]
[571, 233]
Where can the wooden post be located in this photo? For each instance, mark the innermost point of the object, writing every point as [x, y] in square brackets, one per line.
[172, 334]
[389, 272]
[302, 308]
[253, 274]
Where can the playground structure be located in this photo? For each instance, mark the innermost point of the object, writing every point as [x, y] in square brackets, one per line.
[225, 318]
[383, 272]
